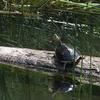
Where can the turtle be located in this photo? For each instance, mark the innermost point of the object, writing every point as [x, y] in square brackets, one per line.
[65, 55]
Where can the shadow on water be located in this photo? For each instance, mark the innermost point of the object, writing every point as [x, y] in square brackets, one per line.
[16, 84]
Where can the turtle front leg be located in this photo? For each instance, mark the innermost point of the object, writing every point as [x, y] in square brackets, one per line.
[65, 64]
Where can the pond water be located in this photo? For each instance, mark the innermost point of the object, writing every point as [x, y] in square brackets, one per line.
[16, 84]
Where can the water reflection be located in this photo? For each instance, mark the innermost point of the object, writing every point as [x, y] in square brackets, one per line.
[16, 84]
[61, 84]
[4, 94]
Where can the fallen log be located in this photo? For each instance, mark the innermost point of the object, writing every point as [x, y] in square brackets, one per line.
[43, 61]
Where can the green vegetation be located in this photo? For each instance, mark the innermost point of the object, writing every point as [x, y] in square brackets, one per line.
[36, 33]
[35, 5]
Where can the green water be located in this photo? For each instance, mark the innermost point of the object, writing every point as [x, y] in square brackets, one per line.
[16, 84]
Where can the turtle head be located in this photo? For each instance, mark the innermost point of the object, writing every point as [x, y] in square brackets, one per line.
[57, 38]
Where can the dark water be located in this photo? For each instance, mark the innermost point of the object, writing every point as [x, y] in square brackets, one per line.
[16, 84]
[30, 32]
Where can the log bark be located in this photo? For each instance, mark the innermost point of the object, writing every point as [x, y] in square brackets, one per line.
[43, 61]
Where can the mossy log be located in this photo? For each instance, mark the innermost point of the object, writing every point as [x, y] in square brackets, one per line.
[43, 61]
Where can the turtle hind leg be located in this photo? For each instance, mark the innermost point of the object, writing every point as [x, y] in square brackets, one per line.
[80, 58]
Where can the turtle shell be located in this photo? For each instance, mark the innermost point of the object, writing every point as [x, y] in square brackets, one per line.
[74, 53]
[67, 53]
